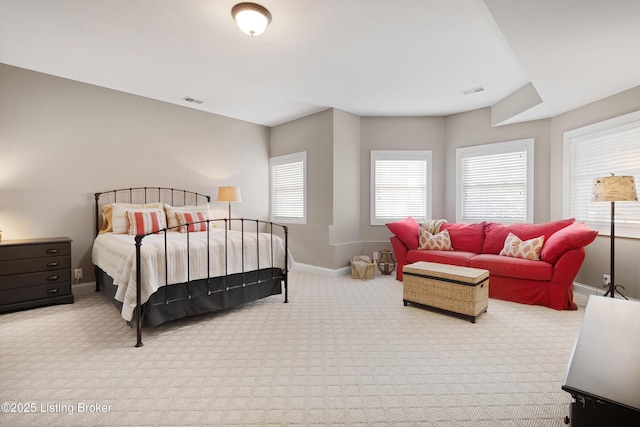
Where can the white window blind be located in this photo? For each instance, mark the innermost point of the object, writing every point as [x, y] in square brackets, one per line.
[400, 185]
[495, 182]
[612, 146]
[288, 188]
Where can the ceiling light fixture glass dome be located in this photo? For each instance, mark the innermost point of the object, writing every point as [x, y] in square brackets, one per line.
[251, 18]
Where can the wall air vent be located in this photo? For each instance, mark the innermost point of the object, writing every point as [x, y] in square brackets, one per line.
[195, 101]
[473, 90]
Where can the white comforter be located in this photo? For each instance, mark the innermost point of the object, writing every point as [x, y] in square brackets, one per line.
[115, 254]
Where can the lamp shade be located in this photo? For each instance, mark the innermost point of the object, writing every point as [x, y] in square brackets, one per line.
[614, 189]
[229, 194]
[251, 18]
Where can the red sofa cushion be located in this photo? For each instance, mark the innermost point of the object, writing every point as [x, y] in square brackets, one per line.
[495, 233]
[519, 268]
[444, 257]
[406, 230]
[574, 236]
[466, 237]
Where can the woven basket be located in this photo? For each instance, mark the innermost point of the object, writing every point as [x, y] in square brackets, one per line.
[434, 285]
[357, 270]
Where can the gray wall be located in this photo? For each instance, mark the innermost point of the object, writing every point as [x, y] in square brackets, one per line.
[474, 128]
[345, 230]
[61, 141]
[627, 267]
[331, 139]
[397, 133]
[314, 134]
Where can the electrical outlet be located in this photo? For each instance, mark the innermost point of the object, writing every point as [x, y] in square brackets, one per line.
[375, 256]
[78, 273]
[606, 280]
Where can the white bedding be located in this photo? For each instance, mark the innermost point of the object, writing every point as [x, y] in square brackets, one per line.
[115, 254]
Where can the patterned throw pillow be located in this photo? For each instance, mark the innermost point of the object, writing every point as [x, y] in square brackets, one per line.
[145, 221]
[529, 249]
[192, 217]
[434, 242]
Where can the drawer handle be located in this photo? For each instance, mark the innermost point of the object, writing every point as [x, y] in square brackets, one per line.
[52, 251]
[52, 291]
[52, 264]
[52, 278]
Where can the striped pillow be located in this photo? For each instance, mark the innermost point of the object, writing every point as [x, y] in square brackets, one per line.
[172, 219]
[145, 221]
[192, 219]
[115, 215]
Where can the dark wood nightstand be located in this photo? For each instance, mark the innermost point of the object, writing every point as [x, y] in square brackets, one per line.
[35, 273]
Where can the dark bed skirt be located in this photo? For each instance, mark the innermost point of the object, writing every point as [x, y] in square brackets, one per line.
[217, 293]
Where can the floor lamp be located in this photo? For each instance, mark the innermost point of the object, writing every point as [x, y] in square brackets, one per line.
[229, 194]
[613, 189]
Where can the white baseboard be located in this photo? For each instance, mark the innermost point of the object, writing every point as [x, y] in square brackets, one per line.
[587, 290]
[322, 271]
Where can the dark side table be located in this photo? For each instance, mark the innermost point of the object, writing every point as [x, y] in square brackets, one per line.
[603, 376]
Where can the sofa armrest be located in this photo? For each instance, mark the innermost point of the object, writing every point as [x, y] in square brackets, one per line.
[565, 271]
[400, 251]
[566, 268]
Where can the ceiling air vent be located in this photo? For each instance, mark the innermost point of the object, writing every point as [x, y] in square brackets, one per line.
[195, 101]
[473, 90]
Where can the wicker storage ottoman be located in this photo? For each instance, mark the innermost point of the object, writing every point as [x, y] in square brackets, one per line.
[452, 288]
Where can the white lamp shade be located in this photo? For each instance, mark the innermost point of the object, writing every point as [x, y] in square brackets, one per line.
[251, 18]
[229, 194]
[614, 189]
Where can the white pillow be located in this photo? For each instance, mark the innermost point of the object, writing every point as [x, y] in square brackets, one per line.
[119, 222]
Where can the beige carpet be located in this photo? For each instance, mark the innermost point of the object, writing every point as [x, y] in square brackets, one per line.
[343, 352]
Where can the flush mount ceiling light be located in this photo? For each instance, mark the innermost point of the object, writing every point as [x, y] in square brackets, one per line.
[251, 18]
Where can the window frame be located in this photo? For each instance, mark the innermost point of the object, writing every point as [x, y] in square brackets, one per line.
[422, 155]
[284, 160]
[590, 133]
[527, 145]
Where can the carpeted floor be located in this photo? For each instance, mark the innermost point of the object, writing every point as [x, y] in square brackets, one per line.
[343, 352]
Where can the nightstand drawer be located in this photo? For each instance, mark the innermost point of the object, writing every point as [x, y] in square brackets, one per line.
[39, 250]
[34, 293]
[35, 279]
[35, 264]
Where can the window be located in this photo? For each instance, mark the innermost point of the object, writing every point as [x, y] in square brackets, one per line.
[494, 182]
[594, 151]
[400, 185]
[289, 188]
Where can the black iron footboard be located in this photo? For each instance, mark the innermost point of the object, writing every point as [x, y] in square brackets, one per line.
[265, 273]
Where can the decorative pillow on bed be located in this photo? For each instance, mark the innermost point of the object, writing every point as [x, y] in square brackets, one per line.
[172, 219]
[114, 215]
[529, 249]
[434, 242]
[188, 218]
[145, 221]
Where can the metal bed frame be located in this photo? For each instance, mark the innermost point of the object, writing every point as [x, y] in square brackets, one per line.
[211, 287]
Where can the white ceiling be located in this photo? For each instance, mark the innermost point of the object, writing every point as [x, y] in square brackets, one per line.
[366, 57]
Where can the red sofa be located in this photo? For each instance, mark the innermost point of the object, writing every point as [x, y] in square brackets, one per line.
[547, 281]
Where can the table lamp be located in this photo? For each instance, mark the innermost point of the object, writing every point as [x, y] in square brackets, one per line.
[229, 194]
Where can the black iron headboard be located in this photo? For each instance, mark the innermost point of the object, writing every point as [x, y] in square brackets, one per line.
[172, 196]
